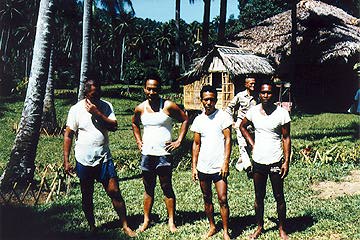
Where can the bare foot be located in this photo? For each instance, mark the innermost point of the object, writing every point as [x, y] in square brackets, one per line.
[283, 234]
[144, 226]
[172, 227]
[226, 235]
[210, 233]
[129, 232]
[256, 234]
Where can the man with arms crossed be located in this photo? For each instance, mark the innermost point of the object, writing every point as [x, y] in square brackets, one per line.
[210, 156]
[242, 102]
[271, 154]
[156, 115]
[89, 121]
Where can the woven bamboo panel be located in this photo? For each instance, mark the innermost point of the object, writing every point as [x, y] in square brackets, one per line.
[192, 92]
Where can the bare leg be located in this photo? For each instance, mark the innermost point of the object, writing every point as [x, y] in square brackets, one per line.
[209, 207]
[149, 180]
[278, 190]
[221, 188]
[87, 190]
[170, 200]
[113, 191]
[260, 191]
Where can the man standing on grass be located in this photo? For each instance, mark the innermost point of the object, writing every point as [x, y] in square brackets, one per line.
[89, 121]
[156, 115]
[210, 156]
[271, 154]
[242, 102]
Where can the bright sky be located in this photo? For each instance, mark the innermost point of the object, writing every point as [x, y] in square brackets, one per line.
[164, 10]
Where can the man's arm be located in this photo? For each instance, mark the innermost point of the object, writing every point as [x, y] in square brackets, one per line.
[68, 137]
[110, 124]
[135, 124]
[244, 131]
[177, 113]
[195, 155]
[285, 131]
[232, 106]
[225, 168]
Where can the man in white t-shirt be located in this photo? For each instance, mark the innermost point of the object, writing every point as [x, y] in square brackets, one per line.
[210, 156]
[270, 153]
[89, 121]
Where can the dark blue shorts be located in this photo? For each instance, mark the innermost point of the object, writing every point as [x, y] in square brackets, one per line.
[152, 163]
[274, 168]
[101, 172]
[214, 177]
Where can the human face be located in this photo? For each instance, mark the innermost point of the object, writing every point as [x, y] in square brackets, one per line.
[250, 84]
[209, 101]
[152, 89]
[94, 94]
[266, 94]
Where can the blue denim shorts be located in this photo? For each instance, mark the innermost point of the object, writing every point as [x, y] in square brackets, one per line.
[152, 163]
[101, 172]
[214, 177]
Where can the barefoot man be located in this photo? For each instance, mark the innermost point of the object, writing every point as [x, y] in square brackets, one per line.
[271, 154]
[156, 115]
[210, 156]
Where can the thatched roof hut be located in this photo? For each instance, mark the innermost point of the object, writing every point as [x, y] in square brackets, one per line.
[328, 46]
[222, 67]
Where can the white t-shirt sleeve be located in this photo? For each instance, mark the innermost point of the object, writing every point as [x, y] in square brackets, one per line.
[285, 117]
[249, 114]
[195, 125]
[227, 121]
[71, 122]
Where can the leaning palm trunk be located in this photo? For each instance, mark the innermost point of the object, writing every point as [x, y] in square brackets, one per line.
[21, 165]
[49, 124]
[222, 22]
[86, 47]
[206, 23]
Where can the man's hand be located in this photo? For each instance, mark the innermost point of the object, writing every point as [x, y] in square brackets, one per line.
[69, 169]
[284, 169]
[224, 172]
[90, 107]
[194, 175]
[171, 146]
[139, 145]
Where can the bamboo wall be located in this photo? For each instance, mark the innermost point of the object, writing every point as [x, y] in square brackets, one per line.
[192, 92]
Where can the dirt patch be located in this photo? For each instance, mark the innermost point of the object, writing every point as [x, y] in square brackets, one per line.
[349, 186]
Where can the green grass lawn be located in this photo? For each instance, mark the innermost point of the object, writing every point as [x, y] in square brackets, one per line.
[333, 137]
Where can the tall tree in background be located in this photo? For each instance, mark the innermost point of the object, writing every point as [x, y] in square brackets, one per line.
[86, 47]
[21, 165]
[177, 37]
[48, 122]
[206, 25]
[222, 22]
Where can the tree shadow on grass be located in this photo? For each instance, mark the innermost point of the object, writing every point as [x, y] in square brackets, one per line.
[184, 217]
[295, 224]
[240, 223]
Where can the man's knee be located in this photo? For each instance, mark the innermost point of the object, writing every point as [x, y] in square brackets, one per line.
[223, 202]
[279, 197]
[168, 190]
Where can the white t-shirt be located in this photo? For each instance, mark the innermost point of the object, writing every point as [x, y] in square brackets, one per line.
[92, 141]
[212, 148]
[268, 145]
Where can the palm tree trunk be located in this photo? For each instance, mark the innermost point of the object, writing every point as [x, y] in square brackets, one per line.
[177, 37]
[206, 23]
[21, 165]
[293, 40]
[48, 123]
[86, 47]
[221, 31]
[122, 59]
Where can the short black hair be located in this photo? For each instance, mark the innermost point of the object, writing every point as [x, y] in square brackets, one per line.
[91, 81]
[208, 88]
[152, 73]
[268, 82]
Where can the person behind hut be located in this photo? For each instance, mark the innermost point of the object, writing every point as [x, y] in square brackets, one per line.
[271, 153]
[90, 120]
[156, 115]
[210, 156]
[241, 103]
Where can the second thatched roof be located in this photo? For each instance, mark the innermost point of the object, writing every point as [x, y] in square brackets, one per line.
[233, 60]
[328, 30]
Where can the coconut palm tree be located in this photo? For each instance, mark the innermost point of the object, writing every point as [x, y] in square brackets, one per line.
[21, 165]
[206, 26]
[221, 30]
[86, 47]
